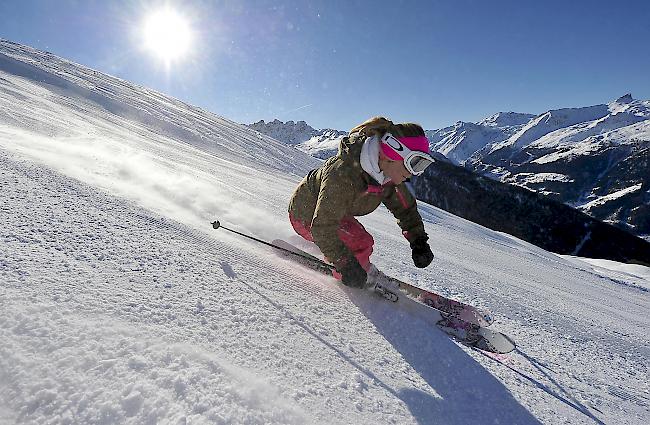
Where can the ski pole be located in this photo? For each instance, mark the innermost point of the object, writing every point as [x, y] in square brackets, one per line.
[217, 225]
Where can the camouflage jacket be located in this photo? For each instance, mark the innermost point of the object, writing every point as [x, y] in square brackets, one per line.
[341, 188]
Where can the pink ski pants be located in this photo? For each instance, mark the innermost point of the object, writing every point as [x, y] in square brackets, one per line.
[350, 232]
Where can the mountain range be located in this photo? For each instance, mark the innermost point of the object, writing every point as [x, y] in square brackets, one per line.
[317, 143]
[593, 158]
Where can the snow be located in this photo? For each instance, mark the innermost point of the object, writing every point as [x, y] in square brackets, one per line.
[583, 148]
[633, 133]
[291, 133]
[317, 143]
[550, 122]
[322, 146]
[633, 274]
[611, 197]
[462, 140]
[533, 178]
[624, 121]
[623, 125]
[120, 303]
[506, 119]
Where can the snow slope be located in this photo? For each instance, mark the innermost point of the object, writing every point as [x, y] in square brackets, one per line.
[120, 304]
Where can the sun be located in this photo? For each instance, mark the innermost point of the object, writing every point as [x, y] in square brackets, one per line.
[167, 34]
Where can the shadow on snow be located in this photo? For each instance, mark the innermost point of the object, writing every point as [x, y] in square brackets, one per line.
[468, 393]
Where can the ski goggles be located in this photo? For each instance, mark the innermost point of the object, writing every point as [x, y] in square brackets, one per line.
[414, 161]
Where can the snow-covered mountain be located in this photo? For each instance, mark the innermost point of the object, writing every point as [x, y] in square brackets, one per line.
[456, 142]
[463, 139]
[593, 158]
[559, 127]
[120, 304]
[317, 143]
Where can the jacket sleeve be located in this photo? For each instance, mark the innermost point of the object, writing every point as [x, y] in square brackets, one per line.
[334, 201]
[402, 204]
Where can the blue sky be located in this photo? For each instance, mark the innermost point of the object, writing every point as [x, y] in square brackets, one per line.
[334, 63]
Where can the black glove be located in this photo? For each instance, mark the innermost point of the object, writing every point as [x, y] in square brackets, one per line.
[352, 273]
[421, 253]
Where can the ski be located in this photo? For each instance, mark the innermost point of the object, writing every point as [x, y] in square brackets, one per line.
[476, 336]
[390, 288]
[462, 311]
[460, 321]
[467, 333]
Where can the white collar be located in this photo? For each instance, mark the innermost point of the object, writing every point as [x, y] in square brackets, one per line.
[370, 159]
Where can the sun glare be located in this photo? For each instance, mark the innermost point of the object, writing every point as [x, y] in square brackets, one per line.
[167, 34]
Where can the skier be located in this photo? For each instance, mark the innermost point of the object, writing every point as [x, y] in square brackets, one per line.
[370, 168]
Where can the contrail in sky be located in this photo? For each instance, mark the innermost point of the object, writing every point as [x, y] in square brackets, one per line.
[302, 107]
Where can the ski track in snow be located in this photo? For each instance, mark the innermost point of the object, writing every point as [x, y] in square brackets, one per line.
[120, 304]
